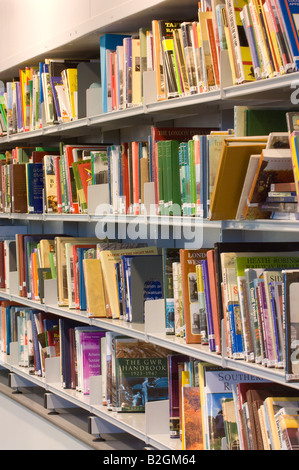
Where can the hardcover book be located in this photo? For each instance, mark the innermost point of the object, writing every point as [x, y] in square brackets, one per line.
[189, 260]
[108, 259]
[141, 374]
[91, 356]
[231, 174]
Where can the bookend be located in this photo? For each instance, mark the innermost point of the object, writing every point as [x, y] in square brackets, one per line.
[149, 87]
[156, 417]
[94, 100]
[16, 381]
[53, 402]
[225, 70]
[50, 291]
[98, 195]
[149, 198]
[223, 343]
[95, 390]
[98, 426]
[13, 282]
[154, 314]
[13, 357]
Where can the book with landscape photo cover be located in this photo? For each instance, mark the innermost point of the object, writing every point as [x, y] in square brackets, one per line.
[141, 374]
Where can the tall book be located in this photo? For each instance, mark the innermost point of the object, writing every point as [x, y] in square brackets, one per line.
[189, 259]
[108, 42]
[162, 30]
[240, 44]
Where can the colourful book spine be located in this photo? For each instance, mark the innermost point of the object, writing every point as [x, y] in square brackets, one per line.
[289, 11]
[193, 197]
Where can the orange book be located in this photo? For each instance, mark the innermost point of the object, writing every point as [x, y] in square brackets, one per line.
[211, 35]
[34, 279]
[189, 259]
[158, 67]
[135, 168]
[192, 419]
[214, 299]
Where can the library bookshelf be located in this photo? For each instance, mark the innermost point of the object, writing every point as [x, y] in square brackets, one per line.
[209, 109]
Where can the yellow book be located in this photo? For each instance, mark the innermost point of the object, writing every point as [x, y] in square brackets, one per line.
[290, 405]
[23, 84]
[46, 247]
[201, 378]
[260, 39]
[185, 383]
[72, 82]
[230, 50]
[181, 62]
[239, 41]
[108, 259]
[136, 80]
[207, 67]
[158, 65]
[293, 137]
[231, 172]
[61, 264]
[95, 294]
[278, 66]
[265, 438]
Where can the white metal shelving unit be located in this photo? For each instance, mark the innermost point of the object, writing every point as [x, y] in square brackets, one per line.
[83, 36]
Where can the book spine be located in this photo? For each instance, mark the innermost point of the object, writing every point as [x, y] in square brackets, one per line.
[205, 276]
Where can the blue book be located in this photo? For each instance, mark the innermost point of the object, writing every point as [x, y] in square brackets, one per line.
[56, 81]
[289, 10]
[36, 348]
[126, 272]
[82, 290]
[206, 283]
[107, 42]
[35, 187]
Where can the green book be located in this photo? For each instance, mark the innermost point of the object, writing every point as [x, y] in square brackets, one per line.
[265, 121]
[193, 196]
[160, 151]
[173, 173]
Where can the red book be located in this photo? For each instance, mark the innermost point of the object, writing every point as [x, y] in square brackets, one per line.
[2, 265]
[135, 168]
[125, 174]
[58, 185]
[214, 299]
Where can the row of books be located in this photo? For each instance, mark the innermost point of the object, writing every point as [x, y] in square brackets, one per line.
[193, 171]
[61, 175]
[210, 408]
[246, 290]
[222, 409]
[132, 372]
[259, 36]
[42, 95]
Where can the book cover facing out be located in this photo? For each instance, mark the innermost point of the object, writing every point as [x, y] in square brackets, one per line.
[91, 356]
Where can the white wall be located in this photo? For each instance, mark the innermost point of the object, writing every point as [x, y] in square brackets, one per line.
[21, 429]
[33, 27]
